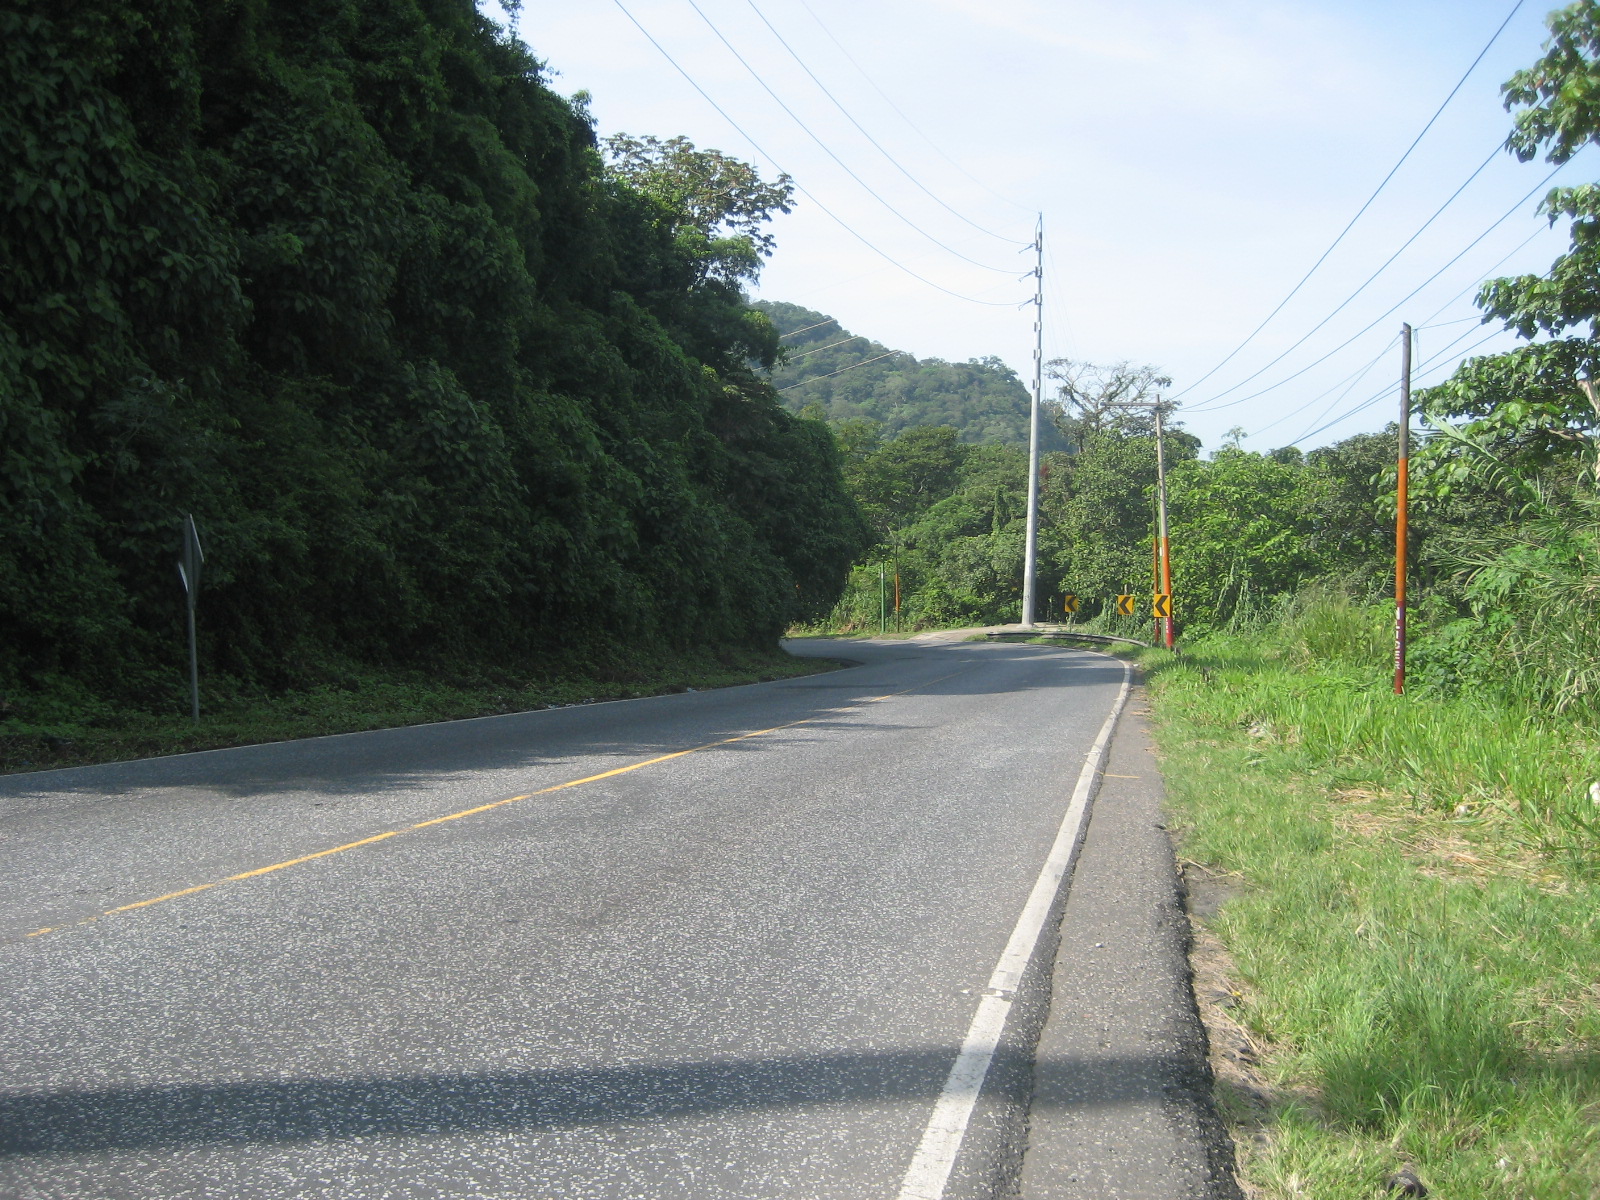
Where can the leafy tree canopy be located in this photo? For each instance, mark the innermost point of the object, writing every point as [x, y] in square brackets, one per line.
[1538, 402]
[1091, 397]
[716, 207]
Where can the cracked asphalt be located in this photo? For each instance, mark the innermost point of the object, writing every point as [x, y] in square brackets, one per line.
[739, 972]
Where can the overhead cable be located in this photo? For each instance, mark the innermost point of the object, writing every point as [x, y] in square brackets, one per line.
[915, 128]
[1308, 334]
[1477, 283]
[784, 42]
[826, 149]
[1389, 391]
[1425, 324]
[1392, 308]
[1348, 383]
[840, 221]
[806, 328]
[819, 349]
[840, 371]
[1368, 204]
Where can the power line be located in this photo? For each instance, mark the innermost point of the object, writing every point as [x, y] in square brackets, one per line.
[1381, 185]
[806, 328]
[826, 149]
[1394, 307]
[1351, 380]
[840, 371]
[819, 349]
[862, 129]
[1487, 275]
[1370, 401]
[1424, 325]
[1365, 284]
[840, 221]
[915, 128]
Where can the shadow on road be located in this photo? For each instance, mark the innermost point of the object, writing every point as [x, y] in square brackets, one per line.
[418, 756]
[268, 1112]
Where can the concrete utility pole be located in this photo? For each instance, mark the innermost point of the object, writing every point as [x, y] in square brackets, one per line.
[1402, 470]
[1030, 553]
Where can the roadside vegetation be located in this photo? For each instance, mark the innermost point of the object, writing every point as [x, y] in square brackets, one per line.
[441, 376]
[353, 696]
[1413, 913]
[1414, 919]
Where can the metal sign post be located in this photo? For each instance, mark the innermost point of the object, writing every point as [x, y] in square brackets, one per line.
[189, 572]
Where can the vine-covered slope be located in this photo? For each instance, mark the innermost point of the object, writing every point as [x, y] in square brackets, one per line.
[348, 282]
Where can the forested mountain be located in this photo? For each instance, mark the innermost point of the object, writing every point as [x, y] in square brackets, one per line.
[347, 281]
[982, 400]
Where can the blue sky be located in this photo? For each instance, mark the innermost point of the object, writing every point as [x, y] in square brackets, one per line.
[1192, 160]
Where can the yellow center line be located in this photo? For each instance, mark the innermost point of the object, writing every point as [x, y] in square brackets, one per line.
[469, 812]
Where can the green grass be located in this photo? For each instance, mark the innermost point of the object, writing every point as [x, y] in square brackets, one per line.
[1417, 921]
[63, 727]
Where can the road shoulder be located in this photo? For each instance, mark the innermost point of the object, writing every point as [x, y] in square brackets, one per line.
[1122, 1103]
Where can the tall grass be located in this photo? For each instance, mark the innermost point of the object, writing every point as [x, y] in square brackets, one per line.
[1322, 685]
[1417, 929]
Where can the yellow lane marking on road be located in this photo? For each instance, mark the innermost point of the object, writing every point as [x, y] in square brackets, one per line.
[469, 812]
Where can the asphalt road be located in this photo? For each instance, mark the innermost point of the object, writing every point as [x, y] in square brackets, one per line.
[742, 971]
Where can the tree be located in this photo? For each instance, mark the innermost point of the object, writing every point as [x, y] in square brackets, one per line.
[716, 207]
[1539, 402]
[900, 479]
[1241, 527]
[1093, 398]
[1097, 510]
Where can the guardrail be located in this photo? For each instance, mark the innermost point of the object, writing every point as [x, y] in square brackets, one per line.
[1103, 638]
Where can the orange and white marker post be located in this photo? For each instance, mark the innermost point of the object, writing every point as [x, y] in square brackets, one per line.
[1402, 471]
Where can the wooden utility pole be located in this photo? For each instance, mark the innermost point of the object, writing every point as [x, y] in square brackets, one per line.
[1030, 551]
[1161, 517]
[1155, 577]
[1402, 470]
[1163, 547]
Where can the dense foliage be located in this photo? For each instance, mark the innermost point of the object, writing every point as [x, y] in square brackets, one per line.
[346, 280]
[828, 372]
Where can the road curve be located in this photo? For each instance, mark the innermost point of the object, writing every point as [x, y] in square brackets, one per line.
[718, 945]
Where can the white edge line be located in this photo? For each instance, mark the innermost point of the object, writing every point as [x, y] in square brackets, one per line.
[936, 1154]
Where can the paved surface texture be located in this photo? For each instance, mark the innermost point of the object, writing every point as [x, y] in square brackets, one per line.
[742, 971]
[1121, 1102]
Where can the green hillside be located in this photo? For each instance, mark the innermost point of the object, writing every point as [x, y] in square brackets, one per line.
[983, 400]
[437, 378]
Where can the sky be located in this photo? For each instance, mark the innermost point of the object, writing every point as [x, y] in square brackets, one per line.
[1190, 163]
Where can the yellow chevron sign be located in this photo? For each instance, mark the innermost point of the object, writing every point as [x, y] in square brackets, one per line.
[1161, 605]
[1069, 604]
[1125, 605]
